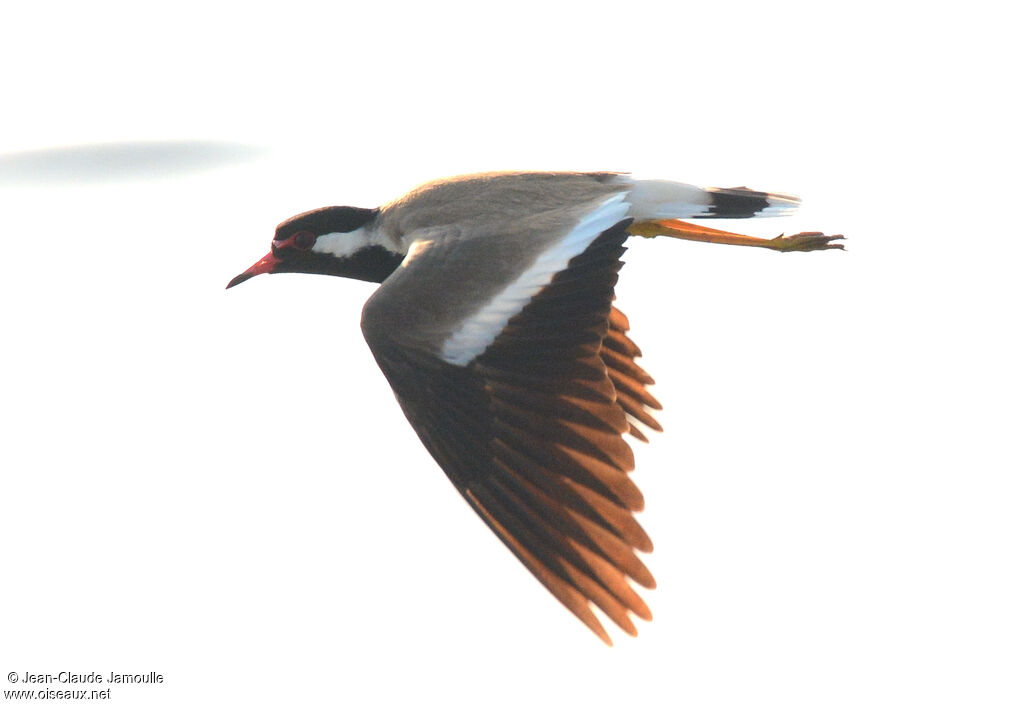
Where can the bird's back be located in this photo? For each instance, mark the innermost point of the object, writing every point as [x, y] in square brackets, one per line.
[479, 204]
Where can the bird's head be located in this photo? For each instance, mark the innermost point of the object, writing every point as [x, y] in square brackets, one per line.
[335, 240]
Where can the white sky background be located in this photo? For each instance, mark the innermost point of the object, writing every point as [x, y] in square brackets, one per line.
[218, 486]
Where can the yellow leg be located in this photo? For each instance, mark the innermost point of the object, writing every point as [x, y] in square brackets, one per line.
[801, 242]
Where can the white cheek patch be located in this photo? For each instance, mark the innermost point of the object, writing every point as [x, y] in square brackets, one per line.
[342, 245]
[481, 329]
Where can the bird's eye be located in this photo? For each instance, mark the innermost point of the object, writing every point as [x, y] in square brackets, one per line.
[304, 240]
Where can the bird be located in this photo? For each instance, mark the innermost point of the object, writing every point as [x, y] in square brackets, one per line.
[495, 326]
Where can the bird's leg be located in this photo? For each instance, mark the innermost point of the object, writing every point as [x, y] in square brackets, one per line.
[801, 242]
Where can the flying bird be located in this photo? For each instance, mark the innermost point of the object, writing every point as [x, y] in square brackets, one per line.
[495, 327]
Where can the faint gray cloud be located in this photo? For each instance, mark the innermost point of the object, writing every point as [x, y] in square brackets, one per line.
[120, 161]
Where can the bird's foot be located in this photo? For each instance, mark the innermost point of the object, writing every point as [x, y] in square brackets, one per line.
[806, 242]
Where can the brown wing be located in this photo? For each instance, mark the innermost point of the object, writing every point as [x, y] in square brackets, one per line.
[619, 355]
[531, 433]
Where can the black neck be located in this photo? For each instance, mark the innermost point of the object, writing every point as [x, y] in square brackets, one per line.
[370, 264]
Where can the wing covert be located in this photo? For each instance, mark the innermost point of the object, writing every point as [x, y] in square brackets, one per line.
[530, 431]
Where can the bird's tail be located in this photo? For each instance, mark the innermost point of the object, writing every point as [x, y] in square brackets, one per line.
[658, 209]
[669, 200]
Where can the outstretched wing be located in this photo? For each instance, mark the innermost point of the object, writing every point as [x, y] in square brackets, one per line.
[530, 430]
